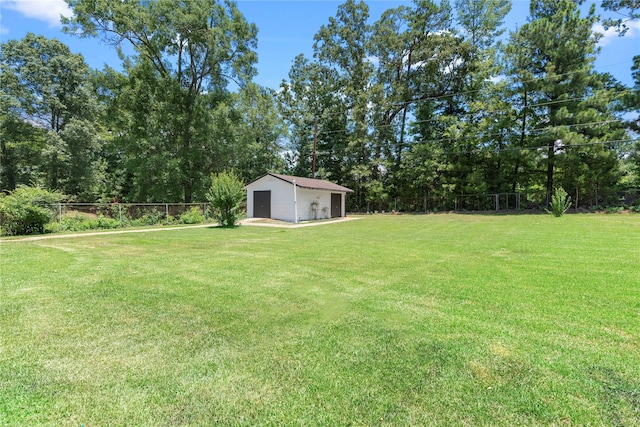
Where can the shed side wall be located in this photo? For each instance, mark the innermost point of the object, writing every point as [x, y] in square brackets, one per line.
[281, 197]
[282, 207]
[306, 197]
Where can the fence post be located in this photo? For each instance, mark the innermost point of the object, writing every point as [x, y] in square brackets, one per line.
[166, 213]
[60, 214]
[497, 202]
[120, 214]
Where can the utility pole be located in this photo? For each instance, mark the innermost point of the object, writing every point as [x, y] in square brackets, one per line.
[315, 147]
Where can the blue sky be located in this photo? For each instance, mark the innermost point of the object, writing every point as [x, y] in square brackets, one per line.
[286, 29]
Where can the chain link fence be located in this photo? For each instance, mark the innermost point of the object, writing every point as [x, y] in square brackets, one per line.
[118, 215]
[488, 202]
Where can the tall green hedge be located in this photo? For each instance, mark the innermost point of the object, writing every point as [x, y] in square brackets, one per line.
[26, 210]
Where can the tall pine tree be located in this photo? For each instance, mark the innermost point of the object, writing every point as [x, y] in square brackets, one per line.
[567, 102]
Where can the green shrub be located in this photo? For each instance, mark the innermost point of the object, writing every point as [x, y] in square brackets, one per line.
[52, 227]
[192, 216]
[26, 210]
[614, 209]
[75, 223]
[82, 223]
[154, 217]
[104, 222]
[560, 202]
[225, 196]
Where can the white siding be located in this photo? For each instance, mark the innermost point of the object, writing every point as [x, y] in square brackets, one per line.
[282, 200]
[282, 206]
[281, 197]
[306, 197]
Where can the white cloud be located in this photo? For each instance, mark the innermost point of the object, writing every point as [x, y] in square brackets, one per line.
[611, 34]
[48, 11]
[606, 36]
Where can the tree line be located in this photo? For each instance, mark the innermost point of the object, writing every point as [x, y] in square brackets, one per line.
[429, 101]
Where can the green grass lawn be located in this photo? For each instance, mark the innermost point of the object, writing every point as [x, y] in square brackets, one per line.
[388, 320]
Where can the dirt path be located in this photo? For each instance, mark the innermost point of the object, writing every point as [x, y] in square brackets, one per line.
[253, 222]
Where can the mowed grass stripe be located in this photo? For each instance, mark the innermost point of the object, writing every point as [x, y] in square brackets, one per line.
[390, 320]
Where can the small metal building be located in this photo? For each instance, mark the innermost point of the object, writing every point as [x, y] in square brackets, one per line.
[294, 198]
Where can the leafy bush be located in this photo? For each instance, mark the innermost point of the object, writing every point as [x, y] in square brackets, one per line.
[614, 209]
[150, 218]
[560, 202]
[82, 223]
[27, 210]
[52, 227]
[192, 216]
[225, 196]
[104, 222]
[74, 223]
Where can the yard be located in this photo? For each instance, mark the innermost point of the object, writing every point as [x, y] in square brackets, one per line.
[389, 320]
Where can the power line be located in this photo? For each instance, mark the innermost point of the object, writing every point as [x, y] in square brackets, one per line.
[494, 150]
[508, 149]
[535, 131]
[622, 92]
[438, 97]
[437, 119]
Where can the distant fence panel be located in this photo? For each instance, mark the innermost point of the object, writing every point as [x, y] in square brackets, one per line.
[516, 201]
[487, 202]
[125, 213]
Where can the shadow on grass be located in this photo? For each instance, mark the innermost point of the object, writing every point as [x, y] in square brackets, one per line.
[620, 397]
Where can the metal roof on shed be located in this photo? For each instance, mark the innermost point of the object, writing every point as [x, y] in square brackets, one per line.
[311, 183]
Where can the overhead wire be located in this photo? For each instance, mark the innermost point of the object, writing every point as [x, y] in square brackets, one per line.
[621, 92]
[489, 150]
[444, 96]
[536, 130]
[438, 119]
[530, 132]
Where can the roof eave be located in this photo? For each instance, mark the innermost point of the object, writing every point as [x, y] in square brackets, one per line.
[341, 189]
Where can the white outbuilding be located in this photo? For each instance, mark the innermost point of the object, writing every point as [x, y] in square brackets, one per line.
[294, 198]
